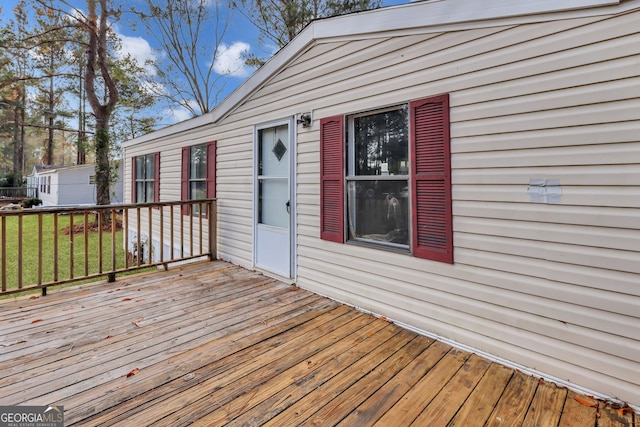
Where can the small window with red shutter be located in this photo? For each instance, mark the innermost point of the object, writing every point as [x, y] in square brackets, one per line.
[198, 173]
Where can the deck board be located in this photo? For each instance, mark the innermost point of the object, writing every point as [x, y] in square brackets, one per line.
[335, 401]
[214, 344]
[125, 350]
[193, 376]
[514, 403]
[308, 373]
[475, 411]
[612, 417]
[546, 406]
[144, 352]
[380, 402]
[445, 405]
[250, 381]
[578, 410]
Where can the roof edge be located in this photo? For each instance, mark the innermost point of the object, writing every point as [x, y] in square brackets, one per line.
[293, 49]
[188, 124]
[443, 13]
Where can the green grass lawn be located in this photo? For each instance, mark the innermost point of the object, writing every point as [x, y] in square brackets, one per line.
[32, 268]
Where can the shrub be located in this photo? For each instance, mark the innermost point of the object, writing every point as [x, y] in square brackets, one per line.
[31, 202]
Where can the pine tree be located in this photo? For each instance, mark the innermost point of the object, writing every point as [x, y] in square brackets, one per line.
[53, 63]
[19, 70]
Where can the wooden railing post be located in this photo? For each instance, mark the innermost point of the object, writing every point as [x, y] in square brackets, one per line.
[3, 261]
[213, 238]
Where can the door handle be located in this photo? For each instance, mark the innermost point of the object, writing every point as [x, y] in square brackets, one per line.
[288, 205]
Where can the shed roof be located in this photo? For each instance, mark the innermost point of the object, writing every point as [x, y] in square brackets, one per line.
[43, 169]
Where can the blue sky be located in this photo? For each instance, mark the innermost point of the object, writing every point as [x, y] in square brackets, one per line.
[240, 37]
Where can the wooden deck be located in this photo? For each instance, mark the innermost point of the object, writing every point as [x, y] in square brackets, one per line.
[214, 344]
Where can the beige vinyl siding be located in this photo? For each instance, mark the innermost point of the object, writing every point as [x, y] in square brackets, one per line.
[456, 59]
[234, 176]
[169, 169]
[551, 287]
[235, 195]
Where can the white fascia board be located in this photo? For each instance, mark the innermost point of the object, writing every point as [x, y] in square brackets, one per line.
[183, 126]
[443, 13]
[77, 167]
[65, 169]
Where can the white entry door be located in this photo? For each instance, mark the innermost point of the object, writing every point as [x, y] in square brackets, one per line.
[273, 198]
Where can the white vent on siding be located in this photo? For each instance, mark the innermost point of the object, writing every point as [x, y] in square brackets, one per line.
[544, 191]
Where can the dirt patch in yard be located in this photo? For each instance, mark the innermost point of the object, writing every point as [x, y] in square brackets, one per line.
[93, 226]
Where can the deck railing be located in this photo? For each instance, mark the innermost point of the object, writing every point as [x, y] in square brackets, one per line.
[43, 247]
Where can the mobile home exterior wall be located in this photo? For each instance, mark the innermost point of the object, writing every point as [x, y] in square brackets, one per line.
[545, 159]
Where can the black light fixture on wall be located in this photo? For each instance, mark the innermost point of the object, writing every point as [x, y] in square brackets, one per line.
[304, 120]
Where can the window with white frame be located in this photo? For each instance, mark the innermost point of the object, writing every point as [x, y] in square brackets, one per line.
[145, 178]
[378, 177]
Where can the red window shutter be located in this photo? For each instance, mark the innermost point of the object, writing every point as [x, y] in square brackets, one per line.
[156, 178]
[332, 179]
[184, 184]
[133, 180]
[211, 170]
[432, 218]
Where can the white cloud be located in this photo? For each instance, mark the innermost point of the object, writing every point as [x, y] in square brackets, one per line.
[176, 115]
[179, 113]
[229, 61]
[139, 49]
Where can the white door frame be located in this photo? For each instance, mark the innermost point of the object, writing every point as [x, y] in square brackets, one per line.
[290, 123]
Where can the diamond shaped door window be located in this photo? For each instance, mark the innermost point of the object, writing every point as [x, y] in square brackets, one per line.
[279, 149]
